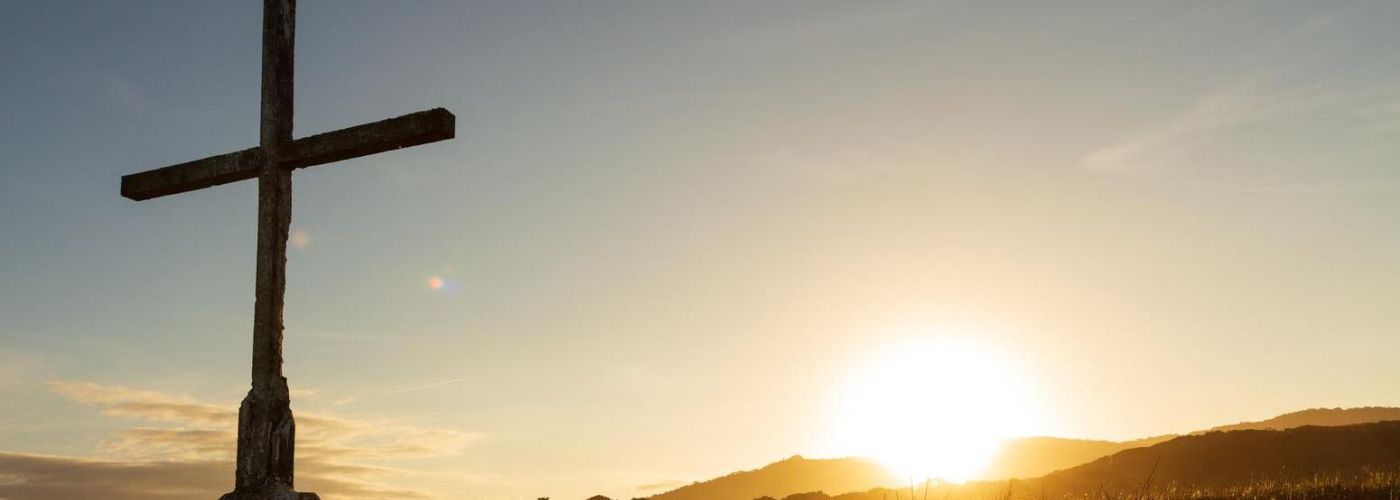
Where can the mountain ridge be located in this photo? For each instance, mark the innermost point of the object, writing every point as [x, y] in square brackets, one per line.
[1024, 458]
[1237, 458]
[1316, 416]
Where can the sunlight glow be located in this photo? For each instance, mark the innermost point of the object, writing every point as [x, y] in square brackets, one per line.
[933, 410]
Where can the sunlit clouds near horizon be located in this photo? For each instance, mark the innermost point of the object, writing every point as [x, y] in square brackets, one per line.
[175, 446]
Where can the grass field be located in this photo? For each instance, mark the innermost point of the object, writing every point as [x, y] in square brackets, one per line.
[1377, 485]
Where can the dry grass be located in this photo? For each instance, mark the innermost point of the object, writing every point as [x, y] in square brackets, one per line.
[1376, 485]
[1371, 485]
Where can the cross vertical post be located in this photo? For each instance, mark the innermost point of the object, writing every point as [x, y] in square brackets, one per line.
[266, 428]
[274, 191]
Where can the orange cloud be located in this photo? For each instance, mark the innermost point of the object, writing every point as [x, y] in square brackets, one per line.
[189, 452]
[45, 477]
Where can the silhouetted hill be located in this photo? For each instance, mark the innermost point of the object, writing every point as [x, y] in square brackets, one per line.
[1021, 458]
[1038, 456]
[1329, 417]
[1340, 462]
[1237, 458]
[794, 475]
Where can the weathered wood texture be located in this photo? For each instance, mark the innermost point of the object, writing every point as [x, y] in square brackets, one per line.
[409, 130]
[274, 189]
[278, 56]
[266, 430]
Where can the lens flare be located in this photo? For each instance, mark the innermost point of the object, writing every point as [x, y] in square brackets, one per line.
[299, 238]
[435, 283]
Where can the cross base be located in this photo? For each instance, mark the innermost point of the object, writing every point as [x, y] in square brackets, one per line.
[266, 440]
[273, 493]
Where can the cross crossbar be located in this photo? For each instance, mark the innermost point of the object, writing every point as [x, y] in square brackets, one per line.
[405, 131]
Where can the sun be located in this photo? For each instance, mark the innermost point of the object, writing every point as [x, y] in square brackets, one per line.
[934, 409]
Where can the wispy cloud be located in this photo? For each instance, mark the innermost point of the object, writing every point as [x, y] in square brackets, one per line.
[125, 402]
[352, 399]
[1171, 142]
[1182, 139]
[426, 386]
[43, 477]
[190, 452]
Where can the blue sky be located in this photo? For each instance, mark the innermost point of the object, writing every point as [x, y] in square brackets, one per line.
[667, 230]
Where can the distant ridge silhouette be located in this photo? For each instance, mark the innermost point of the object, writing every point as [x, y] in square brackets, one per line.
[1222, 459]
[1037, 456]
[1022, 458]
[786, 477]
[1318, 416]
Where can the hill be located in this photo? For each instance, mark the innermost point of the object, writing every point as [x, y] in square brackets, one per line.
[1038, 456]
[1020, 458]
[1217, 460]
[1340, 462]
[1030, 457]
[1318, 416]
[788, 477]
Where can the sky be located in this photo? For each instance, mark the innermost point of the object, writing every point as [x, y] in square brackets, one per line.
[667, 234]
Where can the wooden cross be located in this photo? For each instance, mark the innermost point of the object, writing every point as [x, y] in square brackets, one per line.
[266, 430]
